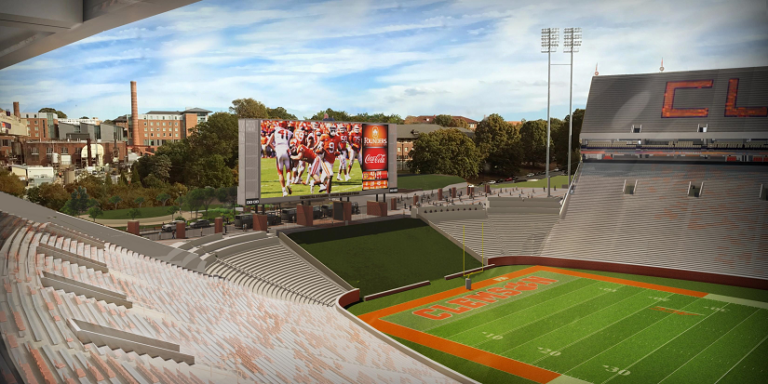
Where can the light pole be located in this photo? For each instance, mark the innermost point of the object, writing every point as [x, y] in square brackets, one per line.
[549, 41]
[571, 43]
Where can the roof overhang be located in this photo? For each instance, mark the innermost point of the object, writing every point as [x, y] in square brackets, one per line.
[30, 28]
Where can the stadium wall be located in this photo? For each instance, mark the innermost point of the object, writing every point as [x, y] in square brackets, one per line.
[449, 237]
[727, 101]
[631, 269]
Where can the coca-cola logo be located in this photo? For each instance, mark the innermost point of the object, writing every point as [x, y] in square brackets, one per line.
[376, 159]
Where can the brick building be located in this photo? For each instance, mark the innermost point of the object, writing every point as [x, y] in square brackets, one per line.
[430, 119]
[73, 152]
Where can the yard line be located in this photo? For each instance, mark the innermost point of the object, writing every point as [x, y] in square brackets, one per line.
[550, 315]
[630, 336]
[713, 343]
[518, 299]
[742, 359]
[594, 313]
[662, 346]
[607, 326]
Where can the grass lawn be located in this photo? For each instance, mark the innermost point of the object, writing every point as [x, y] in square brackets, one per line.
[426, 182]
[586, 326]
[270, 182]
[146, 212]
[558, 181]
[380, 256]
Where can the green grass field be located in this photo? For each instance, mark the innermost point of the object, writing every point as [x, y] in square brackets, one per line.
[384, 255]
[557, 181]
[585, 327]
[426, 182]
[146, 212]
[270, 182]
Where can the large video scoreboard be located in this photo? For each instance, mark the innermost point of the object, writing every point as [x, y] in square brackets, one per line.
[289, 160]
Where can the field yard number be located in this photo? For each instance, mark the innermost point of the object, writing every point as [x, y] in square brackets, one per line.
[607, 289]
[548, 351]
[717, 309]
[493, 336]
[658, 298]
[617, 370]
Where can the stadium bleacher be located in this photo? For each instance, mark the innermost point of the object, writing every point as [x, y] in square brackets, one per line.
[182, 326]
[723, 231]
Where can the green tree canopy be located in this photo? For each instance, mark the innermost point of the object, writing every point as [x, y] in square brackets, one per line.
[163, 198]
[209, 171]
[499, 144]
[52, 196]
[60, 114]
[445, 151]
[139, 200]
[160, 166]
[79, 202]
[443, 120]
[95, 212]
[533, 140]
[217, 136]
[10, 183]
[459, 123]
[115, 200]
[280, 113]
[134, 213]
[249, 108]
[135, 175]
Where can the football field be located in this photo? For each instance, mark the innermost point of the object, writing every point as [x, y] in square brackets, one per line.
[551, 325]
[270, 183]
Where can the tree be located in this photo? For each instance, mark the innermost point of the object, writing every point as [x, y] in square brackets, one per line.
[84, 117]
[78, 203]
[249, 108]
[134, 213]
[153, 182]
[52, 196]
[115, 200]
[227, 195]
[533, 140]
[179, 154]
[123, 178]
[445, 151]
[208, 195]
[33, 195]
[459, 123]
[10, 183]
[60, 114]
[172, 209]
[499, 144]
[443, 120]
[209, 171]
[336, 115]
[560, 141]
[135, 176]
[139, 200]
[108, 183]
[163, 198]
[217, 136]
[280, 113]
[160, 166]
[193, 200]
[95, 212]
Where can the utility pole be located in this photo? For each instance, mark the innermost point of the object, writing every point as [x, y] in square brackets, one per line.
[572, 42]
[549, 41]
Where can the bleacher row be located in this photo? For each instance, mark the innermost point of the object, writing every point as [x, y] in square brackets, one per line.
[230, 333]
[724, 231]
[510, 226]
[276, 271]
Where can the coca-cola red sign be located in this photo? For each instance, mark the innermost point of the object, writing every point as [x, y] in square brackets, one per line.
[374, 159]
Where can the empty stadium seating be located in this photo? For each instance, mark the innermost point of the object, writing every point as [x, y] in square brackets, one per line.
[182, 327]
[723, 231]
[510, 225]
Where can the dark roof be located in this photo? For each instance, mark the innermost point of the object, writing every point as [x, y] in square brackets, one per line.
[412, 131]
[163, 113]
[197, 110]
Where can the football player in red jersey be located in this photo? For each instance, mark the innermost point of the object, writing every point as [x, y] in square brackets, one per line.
[343, 148]
[355, 147]
[304, 154]
[327, 149]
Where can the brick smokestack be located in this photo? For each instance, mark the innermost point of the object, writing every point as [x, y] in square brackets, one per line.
[134, 114]
[16, 110]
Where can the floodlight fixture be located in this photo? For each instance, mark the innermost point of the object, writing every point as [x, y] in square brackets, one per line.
[550, 40]
[571, 44]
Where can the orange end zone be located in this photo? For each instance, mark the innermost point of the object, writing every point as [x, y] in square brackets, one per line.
[492, 360]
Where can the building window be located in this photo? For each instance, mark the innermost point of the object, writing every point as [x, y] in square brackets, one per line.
[65, 151]
[145, 129]
[163, 126]
[35, 152]
[177, 135]
[145, 123]
[152, 134]
[177, 129]
[176, 123]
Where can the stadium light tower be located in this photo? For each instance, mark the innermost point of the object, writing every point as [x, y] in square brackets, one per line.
[571, 43]
[550, 39]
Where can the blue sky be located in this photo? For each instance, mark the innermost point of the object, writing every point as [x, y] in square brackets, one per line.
[462, 57]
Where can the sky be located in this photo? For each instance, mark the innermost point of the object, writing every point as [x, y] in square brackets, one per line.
[422, 57]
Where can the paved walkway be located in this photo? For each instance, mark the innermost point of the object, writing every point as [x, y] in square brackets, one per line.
[159, 220]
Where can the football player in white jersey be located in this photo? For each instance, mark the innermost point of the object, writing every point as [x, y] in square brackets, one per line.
[281, 140]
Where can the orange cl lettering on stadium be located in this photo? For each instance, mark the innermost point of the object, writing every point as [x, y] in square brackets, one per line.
[731, 110]
[668, 109]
